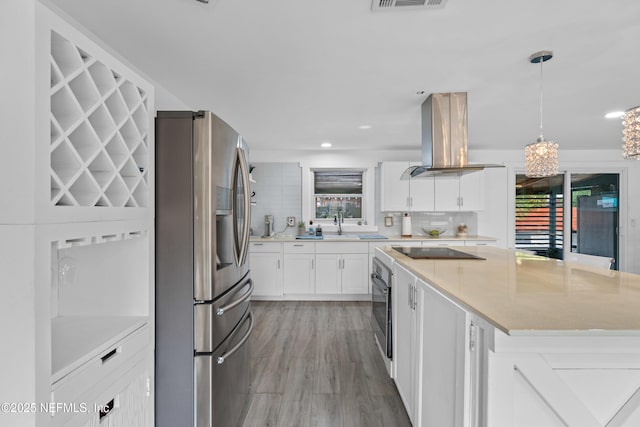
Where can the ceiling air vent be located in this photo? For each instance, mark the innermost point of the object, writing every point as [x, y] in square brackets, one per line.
[377, 5]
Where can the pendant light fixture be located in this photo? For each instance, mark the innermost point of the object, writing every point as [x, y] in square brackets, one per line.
[631, 133]
[541, 157]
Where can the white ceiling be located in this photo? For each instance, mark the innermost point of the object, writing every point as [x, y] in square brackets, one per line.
[292, 73]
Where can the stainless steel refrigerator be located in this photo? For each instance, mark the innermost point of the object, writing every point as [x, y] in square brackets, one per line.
[203, 287]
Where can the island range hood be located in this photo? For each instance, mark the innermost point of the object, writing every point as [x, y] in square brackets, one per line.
[444, 138]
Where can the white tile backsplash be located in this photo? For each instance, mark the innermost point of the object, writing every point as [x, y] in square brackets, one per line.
[278, 192]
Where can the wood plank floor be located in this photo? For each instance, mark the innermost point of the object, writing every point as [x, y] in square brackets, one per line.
[316, 364]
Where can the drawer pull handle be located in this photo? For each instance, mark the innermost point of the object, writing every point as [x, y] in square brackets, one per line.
[237, 302]
[113, 353]
[298, 245]
[106, 409]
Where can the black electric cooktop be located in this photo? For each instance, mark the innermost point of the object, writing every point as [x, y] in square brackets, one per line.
[434, 253]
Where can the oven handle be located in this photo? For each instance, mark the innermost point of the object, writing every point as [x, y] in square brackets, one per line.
[237, 302]
[379, 284]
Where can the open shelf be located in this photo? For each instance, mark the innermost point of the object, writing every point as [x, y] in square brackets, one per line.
[99, 132]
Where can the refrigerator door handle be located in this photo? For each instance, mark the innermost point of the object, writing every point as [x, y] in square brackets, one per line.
[241, 254]
[237, 302]
[236, 347]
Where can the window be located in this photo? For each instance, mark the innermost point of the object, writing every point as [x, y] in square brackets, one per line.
[338, 191]
[539, 215]
[332, 185]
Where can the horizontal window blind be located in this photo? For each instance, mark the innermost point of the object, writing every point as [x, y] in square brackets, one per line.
[539, 223]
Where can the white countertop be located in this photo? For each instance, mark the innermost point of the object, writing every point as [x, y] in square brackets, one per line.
[525, 294]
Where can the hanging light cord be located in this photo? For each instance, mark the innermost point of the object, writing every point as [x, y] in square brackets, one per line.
[541, 61]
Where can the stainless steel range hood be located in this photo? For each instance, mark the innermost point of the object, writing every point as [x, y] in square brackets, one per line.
[444, 137]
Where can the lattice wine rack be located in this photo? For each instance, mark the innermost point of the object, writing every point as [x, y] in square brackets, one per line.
[99, 132]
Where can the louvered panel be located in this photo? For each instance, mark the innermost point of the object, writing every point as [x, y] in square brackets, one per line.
[539, 222]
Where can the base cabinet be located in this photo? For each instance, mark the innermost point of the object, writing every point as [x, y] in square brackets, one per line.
[439, 356]
[328, 274]
[299, 268]
[265, 260]
[342, 273]
[406, 314]
[442, 364]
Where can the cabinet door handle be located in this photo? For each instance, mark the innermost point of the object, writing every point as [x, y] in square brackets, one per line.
[408, 202]
[312, 262]
[415, 297]
[278, 264]
[113, 353]
[106, 408]
[410, 303]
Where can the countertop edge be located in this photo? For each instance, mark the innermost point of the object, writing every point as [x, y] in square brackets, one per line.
[388, 239]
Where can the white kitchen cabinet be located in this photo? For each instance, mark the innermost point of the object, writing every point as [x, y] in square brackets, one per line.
[460, 193]
[299, 268]
[406, 314]
[355, 277]
[266, 268]
[398, 195]
[342, 268]
[442, 364]
[328, 274]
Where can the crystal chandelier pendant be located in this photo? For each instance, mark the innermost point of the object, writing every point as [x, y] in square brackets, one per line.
[541, 157]
[631, 134]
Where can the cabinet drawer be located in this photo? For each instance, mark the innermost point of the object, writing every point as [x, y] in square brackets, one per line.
[342, 248]
[438, 242]
[299, 247]
[480, 243]
[73, 385]
[122, 399]
[265, 246]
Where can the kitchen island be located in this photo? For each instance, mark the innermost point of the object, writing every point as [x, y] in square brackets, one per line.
[515, 340]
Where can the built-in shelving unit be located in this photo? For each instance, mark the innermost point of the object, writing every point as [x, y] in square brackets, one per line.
[99, 132]
[94, 240]
[99, 295]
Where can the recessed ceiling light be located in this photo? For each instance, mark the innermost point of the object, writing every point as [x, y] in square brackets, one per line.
[325, 144]
[614, 115]
[364, 127]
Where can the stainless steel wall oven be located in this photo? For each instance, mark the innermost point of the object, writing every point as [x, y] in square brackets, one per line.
[381, 281]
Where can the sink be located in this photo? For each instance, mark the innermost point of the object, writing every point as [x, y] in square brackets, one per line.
[338, 236]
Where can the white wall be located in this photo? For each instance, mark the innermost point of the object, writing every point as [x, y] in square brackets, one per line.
[18, 364]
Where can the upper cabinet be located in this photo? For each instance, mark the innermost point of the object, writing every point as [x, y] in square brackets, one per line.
[439, 193]
[404, 195]
[460, 193]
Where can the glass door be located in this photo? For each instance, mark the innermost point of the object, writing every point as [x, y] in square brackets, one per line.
[241, 205]
[594, 214]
